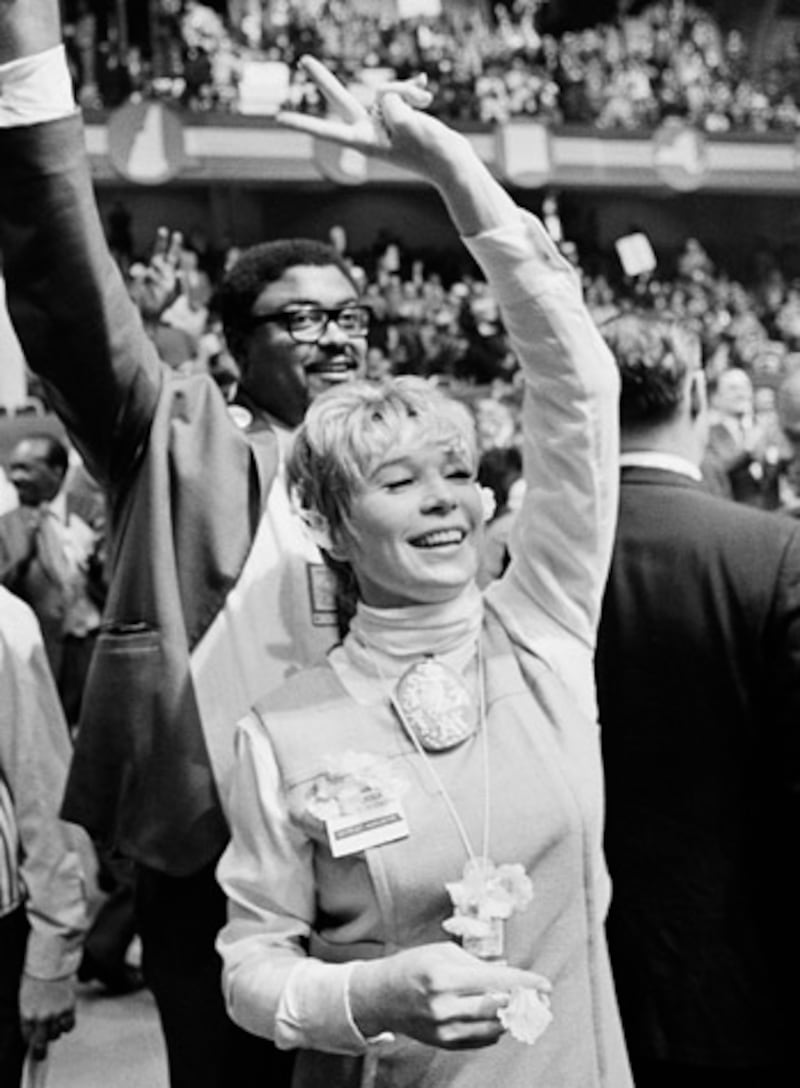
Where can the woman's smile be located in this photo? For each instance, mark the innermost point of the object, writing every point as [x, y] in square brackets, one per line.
[415, 525]
[439, 538]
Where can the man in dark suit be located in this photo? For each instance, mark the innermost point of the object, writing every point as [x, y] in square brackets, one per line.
[741, 458]
[698, 671]
[202, 613]
[788, 409]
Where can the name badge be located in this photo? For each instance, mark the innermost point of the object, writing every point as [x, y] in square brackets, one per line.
[373, 825]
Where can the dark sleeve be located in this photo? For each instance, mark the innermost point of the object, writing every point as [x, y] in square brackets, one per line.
[78, 328]
[782, 654]
[16, 551]
[716, 475]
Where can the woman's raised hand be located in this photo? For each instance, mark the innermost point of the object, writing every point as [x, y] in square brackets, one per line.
[393, 128]
[438, 994]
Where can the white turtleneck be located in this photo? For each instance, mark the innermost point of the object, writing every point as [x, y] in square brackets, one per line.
[384, 642]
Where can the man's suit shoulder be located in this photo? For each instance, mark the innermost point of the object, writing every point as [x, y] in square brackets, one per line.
[687, 510]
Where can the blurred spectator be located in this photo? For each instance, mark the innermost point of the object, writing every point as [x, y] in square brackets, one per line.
[48, 557]
[788, 406]
[378, 365]
[741, 460]
[119, 235]
[42, 891]
[8, 493]
[694, 263]
[668, 59]
[500, 470]
[496, 425]
[156, 289]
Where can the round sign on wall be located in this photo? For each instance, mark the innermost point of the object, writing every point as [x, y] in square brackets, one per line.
[680, 155]
[145, 142]
[341, 164]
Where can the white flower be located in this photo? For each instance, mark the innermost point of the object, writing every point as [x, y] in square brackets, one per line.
[489, 891]
[352, 782]
[466, 927]
[488, 501]
[485, 897]
[526, 1015]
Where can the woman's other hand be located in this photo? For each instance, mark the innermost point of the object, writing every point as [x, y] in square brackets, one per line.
[438, 994]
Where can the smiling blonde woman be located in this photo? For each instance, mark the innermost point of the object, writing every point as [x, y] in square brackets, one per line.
[415, 878]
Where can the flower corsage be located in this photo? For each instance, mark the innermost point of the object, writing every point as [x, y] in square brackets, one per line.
[485, 897]
[353, 782]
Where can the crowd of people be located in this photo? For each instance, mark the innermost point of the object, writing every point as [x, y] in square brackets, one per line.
[347, 638]
[670, 60]
[440, 320]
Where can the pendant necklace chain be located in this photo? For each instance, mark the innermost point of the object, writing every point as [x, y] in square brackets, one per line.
[434, 774]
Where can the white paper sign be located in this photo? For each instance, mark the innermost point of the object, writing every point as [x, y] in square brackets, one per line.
[264, 87]
[416, 9]
[636, 254]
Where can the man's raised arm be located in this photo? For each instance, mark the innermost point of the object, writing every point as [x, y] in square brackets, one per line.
[78, 328]
[28, 27]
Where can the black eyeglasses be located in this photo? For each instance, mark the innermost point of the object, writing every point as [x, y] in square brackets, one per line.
[307, 324]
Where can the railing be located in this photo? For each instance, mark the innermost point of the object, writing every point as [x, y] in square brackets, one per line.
[149, 143]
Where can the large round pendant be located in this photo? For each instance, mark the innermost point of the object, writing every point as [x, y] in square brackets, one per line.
[434, 704]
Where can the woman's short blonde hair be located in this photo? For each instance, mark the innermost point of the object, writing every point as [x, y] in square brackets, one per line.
[347, 430]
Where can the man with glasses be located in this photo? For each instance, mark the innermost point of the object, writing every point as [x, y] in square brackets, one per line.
[214, 591]
[294, 324]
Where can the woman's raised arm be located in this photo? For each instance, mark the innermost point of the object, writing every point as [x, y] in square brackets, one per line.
[397, 130]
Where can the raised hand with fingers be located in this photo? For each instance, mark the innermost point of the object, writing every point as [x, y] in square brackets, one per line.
[392, 128]
[396, 128]
[159, 283]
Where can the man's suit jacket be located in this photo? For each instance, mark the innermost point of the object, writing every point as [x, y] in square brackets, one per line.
[187, 488]
[698, 669]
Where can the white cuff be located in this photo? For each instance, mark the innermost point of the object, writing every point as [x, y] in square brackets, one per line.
[314, 1009]
[36, 89]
